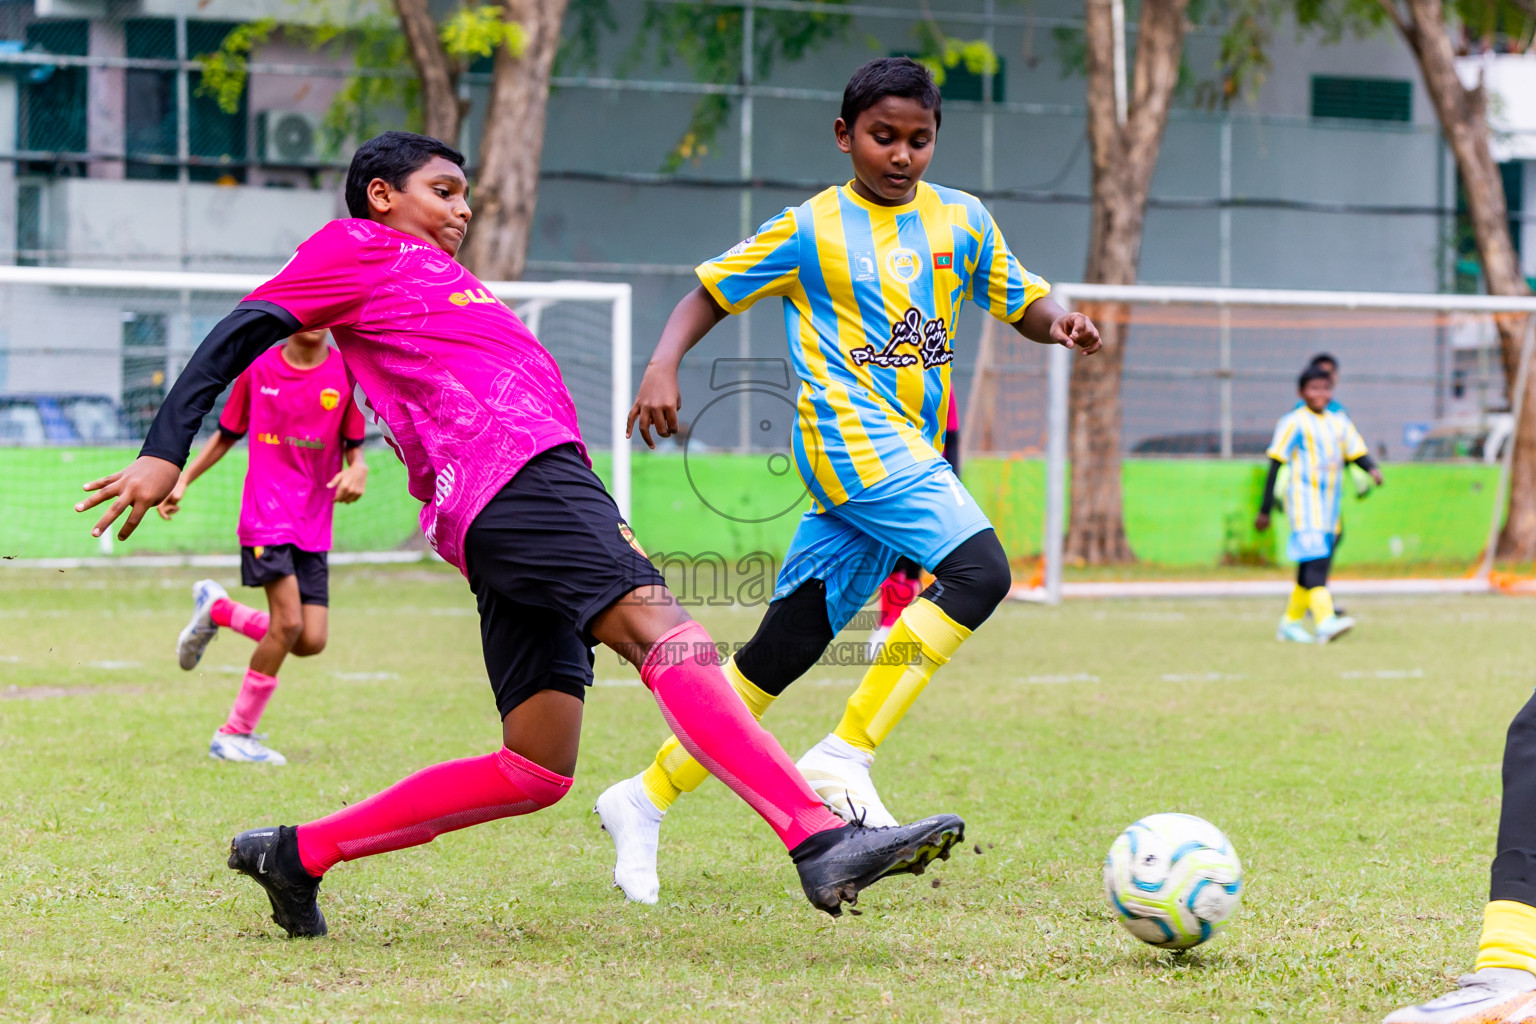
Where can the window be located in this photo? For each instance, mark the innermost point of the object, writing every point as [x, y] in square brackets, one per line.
[1362, 99]
[53, 98]
[151, 103]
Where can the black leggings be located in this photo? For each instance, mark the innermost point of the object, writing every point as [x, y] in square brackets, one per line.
[1314, 573]
[1514, 868]
[968, 585]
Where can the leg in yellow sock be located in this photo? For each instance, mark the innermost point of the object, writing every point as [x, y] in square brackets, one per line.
[1296, 608]
[1321, 603]
[923, 639]
[674, 772]
[1509, 936]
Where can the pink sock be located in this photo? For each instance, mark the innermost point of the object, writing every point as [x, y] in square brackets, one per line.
[239, 617]
[898, 591]
[712, 723]
[421, 807]
[252, 701]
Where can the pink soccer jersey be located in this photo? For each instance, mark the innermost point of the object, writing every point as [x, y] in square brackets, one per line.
[296, 421]
[464, 392]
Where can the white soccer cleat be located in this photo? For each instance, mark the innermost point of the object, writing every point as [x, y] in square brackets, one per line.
[1291, 631]
[1334, 627]
[839, 773]
[877, 641]
[1493, 995]
[242, 746]
[634, 824]
[193, 639]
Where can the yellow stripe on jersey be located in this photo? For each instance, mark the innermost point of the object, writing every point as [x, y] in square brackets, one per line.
[871, 300]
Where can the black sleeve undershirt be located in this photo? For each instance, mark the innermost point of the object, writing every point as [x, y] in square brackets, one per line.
[1269, 487]
[1365, 462]
[232, 345]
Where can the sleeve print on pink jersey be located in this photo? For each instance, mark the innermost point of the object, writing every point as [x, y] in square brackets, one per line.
[426, 264]
[393, 306]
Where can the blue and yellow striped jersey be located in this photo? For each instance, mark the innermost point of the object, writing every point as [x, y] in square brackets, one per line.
[872, 297]
[1316, 447]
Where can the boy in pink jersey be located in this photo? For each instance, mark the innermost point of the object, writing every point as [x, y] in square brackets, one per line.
[478, 413]
[295, 403]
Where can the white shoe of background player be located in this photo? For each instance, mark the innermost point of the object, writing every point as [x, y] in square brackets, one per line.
[839, 773]
[194, 637]
[634, 824]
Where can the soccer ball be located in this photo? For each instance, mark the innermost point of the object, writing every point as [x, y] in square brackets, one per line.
[1173, 880]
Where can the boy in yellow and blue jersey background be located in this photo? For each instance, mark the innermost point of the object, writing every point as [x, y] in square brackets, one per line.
[1317, 442]
[872, 276]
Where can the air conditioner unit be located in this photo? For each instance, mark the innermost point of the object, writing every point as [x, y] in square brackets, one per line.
[290, 137]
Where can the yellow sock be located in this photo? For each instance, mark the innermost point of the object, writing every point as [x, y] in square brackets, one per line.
[892, 684]
[1296, 609]
[1509, 936]
[675, 772]
[1321, 603]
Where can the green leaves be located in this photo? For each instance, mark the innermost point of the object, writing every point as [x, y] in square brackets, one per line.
[225, 69]
[480, 31]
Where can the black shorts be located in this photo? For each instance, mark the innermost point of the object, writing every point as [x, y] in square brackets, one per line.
[545, 556]
[271, 562]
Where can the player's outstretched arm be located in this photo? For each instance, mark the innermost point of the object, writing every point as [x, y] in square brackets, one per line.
[1267, 503]
[1046, 323]
[1368, 464]
[658, 401]
[217, 447]
[229, 348]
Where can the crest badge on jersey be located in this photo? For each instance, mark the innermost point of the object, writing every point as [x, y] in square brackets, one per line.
[903, 264]
[330, 398]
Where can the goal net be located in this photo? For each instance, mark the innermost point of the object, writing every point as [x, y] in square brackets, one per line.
[87, 356]
[1207, 373]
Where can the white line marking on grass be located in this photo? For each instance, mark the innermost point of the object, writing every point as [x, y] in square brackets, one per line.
[112, 666]
[1080, 677]
[1203, 677]
[1385, 673]
[365, 677]
[45, 692]
[9, 659]
[229, 670]
[616, 682]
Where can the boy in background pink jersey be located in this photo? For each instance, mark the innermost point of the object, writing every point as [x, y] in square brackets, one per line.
[478, 413]
[295, 403]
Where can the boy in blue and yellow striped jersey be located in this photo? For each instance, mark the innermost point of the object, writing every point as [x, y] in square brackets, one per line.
[872, 275]
[1318, 441]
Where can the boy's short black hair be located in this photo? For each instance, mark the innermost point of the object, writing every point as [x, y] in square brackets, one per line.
[1324, 357]
[393, 156]
[890, 76]
[1312, 373]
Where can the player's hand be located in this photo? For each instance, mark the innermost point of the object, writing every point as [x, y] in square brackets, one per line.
[144, 484]
[1261, 522]
[1075, 330]
[349, 483]
[172, 503]
[656, 406]
[1376, 476]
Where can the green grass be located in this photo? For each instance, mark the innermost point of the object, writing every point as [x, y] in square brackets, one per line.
[1359, 782]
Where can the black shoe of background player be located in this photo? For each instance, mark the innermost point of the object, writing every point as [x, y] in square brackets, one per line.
[271, 857]
[837, 864]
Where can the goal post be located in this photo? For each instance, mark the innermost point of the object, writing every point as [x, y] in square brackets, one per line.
[1210, 370]
[86, 357]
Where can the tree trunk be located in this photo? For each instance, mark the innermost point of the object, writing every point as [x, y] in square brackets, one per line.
[508, 182]
[441, 109]
[1463, 115]
[1124, 158]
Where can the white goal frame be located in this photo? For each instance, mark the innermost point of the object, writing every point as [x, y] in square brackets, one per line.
[617, 295]
[1058, 384]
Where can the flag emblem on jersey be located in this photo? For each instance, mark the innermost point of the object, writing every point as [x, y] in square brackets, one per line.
[330, 398]
[943, 261]
[629, 538]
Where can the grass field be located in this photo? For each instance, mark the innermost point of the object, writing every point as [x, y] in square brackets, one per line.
[1359, 782]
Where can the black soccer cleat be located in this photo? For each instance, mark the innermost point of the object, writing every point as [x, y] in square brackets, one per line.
[271, 857]
[836, 865]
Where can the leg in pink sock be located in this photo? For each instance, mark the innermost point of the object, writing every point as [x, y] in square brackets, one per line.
[250, 703]
[239, 617]
[421, 807]
[712, 723]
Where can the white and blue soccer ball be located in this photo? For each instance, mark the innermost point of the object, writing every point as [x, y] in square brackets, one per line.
[1173, 880]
